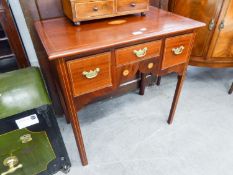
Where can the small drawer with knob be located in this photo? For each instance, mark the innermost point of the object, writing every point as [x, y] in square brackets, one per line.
[138, 52]
[149, 66]
[132, 5]
[90, 74]
[127, 72]
[177, 50]
[93, 9]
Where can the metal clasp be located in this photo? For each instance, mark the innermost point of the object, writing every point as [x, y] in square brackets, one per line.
[11, 162]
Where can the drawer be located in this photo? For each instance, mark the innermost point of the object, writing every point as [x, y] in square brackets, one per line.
[93, 9]
[127, 72]
[90, 73]
[177, 50]
[132, 5]
[149, 66]
[138, 52]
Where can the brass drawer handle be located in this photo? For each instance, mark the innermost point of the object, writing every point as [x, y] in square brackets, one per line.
[92, 73]
[132, 4]
[126, 72]
[11, 162]
[140, 53]
[178, 50]
[95, 9]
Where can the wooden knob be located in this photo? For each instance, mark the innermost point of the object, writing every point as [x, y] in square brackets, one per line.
[95, 9]
[126, 72]
[150, 65]
[132, 4]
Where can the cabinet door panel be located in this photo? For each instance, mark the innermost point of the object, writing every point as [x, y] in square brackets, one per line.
[224, 43]
[205, 11]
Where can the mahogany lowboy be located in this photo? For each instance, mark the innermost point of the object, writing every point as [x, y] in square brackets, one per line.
[97, 58]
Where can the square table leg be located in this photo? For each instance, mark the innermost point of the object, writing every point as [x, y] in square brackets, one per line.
[142, 84]
[231, 89]
[158, 81]
[72, 112]
[176, 98]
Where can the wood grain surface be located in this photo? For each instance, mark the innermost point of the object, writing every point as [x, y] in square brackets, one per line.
[61, 39]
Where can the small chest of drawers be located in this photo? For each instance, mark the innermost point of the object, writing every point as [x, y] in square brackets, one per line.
[98, 59]
[111, 69]
[83, 10]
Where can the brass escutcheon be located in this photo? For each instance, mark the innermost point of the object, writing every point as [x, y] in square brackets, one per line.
[150, 65]
[126, 72]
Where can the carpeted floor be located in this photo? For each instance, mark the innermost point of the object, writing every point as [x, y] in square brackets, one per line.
[128, 135]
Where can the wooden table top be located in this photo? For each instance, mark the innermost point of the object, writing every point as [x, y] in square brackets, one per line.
[61, 38]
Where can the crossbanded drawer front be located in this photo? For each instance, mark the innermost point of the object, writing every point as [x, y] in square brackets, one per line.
[138, 52]
[90, 74]
[177, 50]
[94, 9]
[132, 5]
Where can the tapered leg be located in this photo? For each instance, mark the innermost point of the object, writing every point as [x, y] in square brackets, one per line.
[63, 105]
[78, 137]
[73, 117]
[158, 81]
[143, 84]
[231, 89]
[176, 98]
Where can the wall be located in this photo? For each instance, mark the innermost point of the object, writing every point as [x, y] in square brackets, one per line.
[23, 30]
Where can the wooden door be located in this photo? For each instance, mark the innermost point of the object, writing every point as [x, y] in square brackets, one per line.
[223, 45]
[206, 11]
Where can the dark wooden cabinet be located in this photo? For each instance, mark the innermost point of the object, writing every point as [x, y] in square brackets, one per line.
[12, 54]
[7, 58]
[214, 43]
[223, 37]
